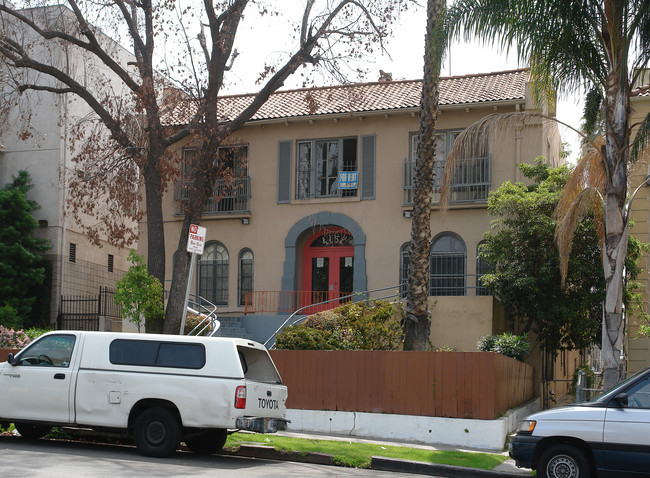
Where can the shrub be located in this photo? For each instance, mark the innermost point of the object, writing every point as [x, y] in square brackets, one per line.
[508, 344]
[192, 321]
[354, 326]
[9, 317]
[13, 339]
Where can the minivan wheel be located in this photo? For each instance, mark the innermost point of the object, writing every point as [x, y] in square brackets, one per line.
[32, 432]
[157, 432]
[208, 442]
[563, 461]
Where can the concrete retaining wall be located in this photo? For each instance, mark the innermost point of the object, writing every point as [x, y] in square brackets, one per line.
[453, 432]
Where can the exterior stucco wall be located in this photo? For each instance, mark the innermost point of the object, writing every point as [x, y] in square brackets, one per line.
[639, 347]
[275, 231]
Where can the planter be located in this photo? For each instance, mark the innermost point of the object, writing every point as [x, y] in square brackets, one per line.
[5, 352]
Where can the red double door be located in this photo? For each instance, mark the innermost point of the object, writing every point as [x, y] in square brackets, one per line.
[328, 267]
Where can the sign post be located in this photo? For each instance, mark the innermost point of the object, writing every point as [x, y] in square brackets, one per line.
[195, 245]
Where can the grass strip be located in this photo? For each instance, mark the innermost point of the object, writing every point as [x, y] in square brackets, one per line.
[358, 455]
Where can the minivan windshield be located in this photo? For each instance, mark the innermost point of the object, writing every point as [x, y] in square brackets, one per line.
[612, 392]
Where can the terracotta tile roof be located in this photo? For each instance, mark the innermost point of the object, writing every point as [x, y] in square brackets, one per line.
[366, 97]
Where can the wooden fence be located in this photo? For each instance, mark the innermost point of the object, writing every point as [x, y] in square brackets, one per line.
[481, 385]
[5, 352]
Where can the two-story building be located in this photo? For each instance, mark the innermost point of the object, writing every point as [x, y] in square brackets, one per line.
[321, 202]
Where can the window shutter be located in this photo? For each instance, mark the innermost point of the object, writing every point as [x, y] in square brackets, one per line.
[368, 167]
[284, 172]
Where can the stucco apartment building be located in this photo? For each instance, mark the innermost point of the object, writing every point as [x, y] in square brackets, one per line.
[78, 268]
[322, 202]
[639, 347]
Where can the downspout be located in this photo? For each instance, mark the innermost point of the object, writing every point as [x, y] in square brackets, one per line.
[64, 153]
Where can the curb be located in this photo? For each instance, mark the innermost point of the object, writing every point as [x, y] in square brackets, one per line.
[270, 453]
[433, 469]
[377, 463]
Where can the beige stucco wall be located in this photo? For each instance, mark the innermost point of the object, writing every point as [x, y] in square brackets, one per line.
[639, 347]
[458, 322]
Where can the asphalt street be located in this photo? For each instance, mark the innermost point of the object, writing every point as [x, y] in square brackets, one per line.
[61, 459]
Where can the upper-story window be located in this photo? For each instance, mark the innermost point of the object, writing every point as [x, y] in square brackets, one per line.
[231, 194]
[318, 165]
[472, 177]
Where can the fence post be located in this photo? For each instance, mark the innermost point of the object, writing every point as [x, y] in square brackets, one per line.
[580, 387]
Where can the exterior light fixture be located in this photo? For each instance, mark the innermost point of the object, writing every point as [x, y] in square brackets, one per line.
[407, 213]
[244, 220]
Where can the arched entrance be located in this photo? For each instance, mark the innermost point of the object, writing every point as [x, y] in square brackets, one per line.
[328, 264]
[294, 273]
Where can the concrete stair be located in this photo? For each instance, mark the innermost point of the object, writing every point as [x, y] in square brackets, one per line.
[232, 327]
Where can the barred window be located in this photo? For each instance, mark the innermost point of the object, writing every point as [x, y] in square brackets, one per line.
[245, 274]
[213, 273]
[482, 268]
[448, 265]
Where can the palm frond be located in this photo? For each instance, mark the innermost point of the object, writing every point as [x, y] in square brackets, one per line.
[641, 141]
[588, 201]
[498, 128]
[582, 196]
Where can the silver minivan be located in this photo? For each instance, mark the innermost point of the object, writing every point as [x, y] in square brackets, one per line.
[608, 436]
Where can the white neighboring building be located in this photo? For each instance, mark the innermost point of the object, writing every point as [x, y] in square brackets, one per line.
[78, 267]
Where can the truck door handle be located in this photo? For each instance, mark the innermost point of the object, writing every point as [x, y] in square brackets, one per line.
[59, 376]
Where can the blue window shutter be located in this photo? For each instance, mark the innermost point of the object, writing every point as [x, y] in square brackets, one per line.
[368, 167]
[284, 172]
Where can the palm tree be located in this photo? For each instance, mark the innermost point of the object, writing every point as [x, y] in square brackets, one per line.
[417, 325]
[601, 46]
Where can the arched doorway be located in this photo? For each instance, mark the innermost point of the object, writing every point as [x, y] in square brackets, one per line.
[328, 265]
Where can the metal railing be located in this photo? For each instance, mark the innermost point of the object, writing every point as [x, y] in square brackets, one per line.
[209, 326]
[470, 183]
[366, 296]
[453, 285]
[228, 197]
[287, 301]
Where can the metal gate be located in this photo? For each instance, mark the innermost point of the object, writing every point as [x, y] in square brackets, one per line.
[558, 380]
[98, 312]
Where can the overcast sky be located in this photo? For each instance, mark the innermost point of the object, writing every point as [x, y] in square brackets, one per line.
[406, 49]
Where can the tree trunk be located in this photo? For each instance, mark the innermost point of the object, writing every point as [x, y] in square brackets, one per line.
[616, 222]
[155, 228]
[417, 325]
[202, 180]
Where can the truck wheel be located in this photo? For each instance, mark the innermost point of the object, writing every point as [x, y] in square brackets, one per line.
[563, 461]
[157, 432]
[32, 432]
[208, 442]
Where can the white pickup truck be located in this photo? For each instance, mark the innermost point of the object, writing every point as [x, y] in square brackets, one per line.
[158, 390]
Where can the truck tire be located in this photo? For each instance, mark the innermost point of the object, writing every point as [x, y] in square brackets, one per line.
[563, 461]
[32, 432]
[208, 442]
[157, 432]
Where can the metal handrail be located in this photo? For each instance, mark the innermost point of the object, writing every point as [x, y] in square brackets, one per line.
[212, 325]
[355, 294]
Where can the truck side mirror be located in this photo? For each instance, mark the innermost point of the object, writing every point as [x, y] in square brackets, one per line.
[621, 399]
[10, 359]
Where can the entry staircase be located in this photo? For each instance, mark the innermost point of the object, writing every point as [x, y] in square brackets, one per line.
[233, 327]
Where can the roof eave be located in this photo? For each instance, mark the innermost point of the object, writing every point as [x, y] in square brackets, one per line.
[383, 112]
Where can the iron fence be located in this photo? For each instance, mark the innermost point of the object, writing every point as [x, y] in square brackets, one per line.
[90, 312]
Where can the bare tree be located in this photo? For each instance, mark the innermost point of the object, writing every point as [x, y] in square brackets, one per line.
[125, 136]
[128, 101]
[329, 34]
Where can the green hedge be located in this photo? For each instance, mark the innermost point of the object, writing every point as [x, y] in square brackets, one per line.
[354, 326]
